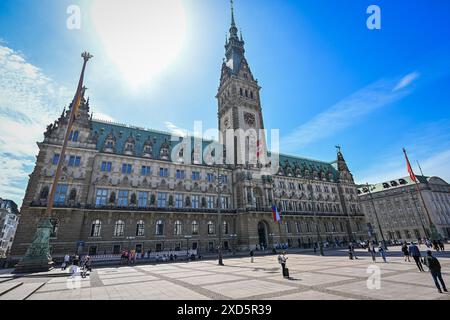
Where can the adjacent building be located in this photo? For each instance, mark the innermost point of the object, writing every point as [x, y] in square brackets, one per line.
[398, 209]
[9, 218]
[120, 187]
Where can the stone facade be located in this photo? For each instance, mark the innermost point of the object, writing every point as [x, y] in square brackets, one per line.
[400, 208]
[120, 187]
[9, 219]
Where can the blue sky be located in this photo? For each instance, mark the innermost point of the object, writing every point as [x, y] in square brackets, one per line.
[326, 78]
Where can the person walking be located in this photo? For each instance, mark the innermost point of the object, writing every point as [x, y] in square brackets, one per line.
[441, 245]
[283, 265]
[75, 264]
[65, 262]
[88, 263]
[415, 253]
[435, 269]
[371, 249]
[382, 252]
[405, 251]
[252, 254]
[352, 248]
[435, 245]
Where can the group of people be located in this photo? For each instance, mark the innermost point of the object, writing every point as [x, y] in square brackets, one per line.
[437, 245]
[429, 260]
[128, 257]
[74, 263]
[372, 248]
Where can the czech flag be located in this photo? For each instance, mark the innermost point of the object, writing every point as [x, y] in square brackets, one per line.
[276, 214]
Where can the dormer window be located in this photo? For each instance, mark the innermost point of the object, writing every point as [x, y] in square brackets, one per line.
[386, 185]
[394, 183]
[129, 146]
[110, 143]
[164, 151]
[147, 152]
[402, 181]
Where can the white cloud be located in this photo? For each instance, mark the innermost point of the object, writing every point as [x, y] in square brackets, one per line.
[29, 101]
[103, 116]
[174, 130]
[346, 112]
[406, 80]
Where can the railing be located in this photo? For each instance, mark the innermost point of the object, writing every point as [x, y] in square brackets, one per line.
[157, 256]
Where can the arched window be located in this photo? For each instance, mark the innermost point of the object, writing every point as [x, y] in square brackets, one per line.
[96, 228]
[246, 93]
[140, 228]
[159, 228]
[177, 228]
[119, 228]
[241, 92]
[44, 193]
[251, 94]
[194, 227]
[73, 194]
[225, 227]
[211, 228]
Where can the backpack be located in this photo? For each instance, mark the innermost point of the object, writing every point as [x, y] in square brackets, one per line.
[280, 259]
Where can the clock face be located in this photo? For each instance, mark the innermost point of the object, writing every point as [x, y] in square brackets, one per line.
[249, 118]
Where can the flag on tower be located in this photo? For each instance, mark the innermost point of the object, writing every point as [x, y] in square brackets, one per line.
[276, 214]
[408, 166]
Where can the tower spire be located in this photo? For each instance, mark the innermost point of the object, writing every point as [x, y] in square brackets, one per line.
[233, 29]
[233, 24]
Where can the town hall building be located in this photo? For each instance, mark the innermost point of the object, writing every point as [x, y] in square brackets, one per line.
[121, 189]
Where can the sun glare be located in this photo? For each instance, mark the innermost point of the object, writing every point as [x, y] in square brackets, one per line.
[142, 37]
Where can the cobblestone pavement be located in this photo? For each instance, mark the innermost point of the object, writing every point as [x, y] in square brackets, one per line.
[332, 277]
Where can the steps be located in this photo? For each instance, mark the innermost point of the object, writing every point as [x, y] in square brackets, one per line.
[20, 291]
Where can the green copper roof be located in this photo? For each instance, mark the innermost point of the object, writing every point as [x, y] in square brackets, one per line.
[122, 132]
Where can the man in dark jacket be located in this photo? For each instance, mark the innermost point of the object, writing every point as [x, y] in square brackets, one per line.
[435, 269]
[415, 253]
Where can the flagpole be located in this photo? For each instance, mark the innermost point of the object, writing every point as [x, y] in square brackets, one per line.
[434, 233]
[38, 257]
[75, 105]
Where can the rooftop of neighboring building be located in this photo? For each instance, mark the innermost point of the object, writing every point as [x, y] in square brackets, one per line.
[9, 206]
[399, 183]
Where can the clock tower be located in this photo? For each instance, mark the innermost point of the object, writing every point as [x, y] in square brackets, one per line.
[239, 104]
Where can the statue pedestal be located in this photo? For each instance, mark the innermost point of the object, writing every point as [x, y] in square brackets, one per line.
[37, 257]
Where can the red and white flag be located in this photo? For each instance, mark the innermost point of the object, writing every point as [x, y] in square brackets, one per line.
[408, 166]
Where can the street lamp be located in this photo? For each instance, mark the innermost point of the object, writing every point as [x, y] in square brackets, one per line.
[233, 236]
[272, 235]
[319, 238]
[187, 243]
[376, 215]
[129, 242]
[219, 215]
